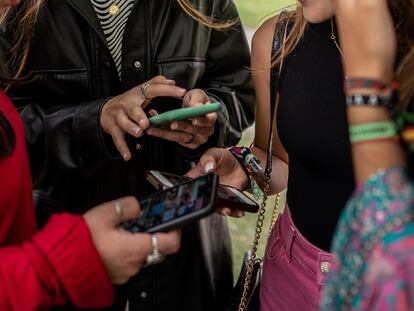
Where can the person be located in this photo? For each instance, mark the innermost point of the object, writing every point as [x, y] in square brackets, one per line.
[73, 258]
[311, 153]
[92, 69]
[373, 244]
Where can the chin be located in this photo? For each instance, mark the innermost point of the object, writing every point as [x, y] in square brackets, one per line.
[315, 16]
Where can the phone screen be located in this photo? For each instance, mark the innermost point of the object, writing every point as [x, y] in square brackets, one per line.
[230, 193]
[175, 203]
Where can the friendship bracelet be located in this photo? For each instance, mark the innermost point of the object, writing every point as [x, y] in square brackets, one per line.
[372, 131]
[365, 83]
[251, 166]
[372, 100]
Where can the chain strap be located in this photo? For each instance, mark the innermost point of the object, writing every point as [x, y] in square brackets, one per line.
[275, 214]
[258, 233]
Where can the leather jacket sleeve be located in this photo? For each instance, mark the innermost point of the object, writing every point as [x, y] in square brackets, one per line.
[228, 78]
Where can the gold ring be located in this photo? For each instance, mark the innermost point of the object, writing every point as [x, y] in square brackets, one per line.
[119, 209]
[190, 139]
[143, 89]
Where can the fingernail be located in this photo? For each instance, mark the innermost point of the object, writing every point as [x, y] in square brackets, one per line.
[174, 126]
[136, 130]
[183, 91]
[141, 123]
[208, 167]
[195, 122]
[125, 156]
[149, 132]
[239, 213]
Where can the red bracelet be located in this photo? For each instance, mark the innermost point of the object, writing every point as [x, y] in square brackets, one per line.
[394, 139]
[365, 83]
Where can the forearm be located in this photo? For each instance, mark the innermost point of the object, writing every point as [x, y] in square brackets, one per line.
[279, 177]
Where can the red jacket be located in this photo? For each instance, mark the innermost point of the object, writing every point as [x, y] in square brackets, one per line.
[56, 265]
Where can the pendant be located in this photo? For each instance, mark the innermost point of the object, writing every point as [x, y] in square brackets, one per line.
[113, 9]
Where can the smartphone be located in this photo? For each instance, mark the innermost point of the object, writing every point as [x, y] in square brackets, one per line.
[227, 196]
[175, 207]
[183, 114]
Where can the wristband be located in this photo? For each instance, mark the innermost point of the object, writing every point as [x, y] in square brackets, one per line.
[372, 131]
[251, 166]
[364, 83]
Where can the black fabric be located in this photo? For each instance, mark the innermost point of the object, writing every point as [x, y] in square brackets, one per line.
[313, 129]
[75, 165]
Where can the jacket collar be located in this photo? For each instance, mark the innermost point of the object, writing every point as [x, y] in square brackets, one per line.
[85, 9]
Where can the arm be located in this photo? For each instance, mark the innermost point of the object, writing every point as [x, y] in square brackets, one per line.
[372, 57]
[58, 265]
[261, 64]
[227, 79]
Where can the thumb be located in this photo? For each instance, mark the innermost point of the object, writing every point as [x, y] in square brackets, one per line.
[207, 163]
[122, 210]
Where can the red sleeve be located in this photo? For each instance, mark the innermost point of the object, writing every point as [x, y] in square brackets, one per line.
[58, 265]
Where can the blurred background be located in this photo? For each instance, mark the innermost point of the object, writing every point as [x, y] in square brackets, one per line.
[253, 13]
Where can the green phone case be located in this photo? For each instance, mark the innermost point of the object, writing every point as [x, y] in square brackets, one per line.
[183, 114]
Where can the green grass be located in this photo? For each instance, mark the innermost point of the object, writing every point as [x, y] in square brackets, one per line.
[254, 12]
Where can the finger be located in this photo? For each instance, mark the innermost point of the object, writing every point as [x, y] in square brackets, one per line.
[181, 138]
[126, 125]
[195, 172]
[224, 211]
[154, 90]
[161, 79]
[195, 98]
[188, 127]
[237, 213]
[118, 138]
[169, 243]
[207, 121]
[153, 113]
[138, 115]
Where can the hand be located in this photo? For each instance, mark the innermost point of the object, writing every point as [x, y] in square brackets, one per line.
[192, 133]
[124, 113]
[123, 253]
[227, 167]
[367, 38]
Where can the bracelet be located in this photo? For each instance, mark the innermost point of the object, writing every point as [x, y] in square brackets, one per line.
[251, 166]
[372, 100]
[366, 83]
[372, 131]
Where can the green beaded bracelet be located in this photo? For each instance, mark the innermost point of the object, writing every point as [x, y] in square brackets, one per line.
[372, 131]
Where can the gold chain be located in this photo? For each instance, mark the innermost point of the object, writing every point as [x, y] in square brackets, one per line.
[258, 232]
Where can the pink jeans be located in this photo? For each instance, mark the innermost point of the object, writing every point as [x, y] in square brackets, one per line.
[294, 270]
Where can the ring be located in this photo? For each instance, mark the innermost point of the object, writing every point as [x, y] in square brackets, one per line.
[155, 257]
[119, 209]
[190, 139]
[143, 89]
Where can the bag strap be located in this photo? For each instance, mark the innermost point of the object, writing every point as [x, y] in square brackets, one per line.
[278, 39]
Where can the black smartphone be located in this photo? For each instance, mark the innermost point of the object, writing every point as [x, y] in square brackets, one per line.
[175, 207]
[226, 195]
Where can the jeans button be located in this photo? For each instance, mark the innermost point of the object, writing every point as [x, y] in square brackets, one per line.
[143, 295]
[137, 64]
[325, 267]
[138, 147]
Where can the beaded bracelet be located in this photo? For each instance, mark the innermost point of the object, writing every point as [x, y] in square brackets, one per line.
[372, 131]
[365, 83]
[251, 166]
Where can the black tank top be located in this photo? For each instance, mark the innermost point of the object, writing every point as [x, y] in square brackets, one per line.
[312, 127]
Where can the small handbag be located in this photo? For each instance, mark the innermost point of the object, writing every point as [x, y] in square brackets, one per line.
[246, 293]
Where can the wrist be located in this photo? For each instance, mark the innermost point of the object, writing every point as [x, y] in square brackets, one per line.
[358, 115]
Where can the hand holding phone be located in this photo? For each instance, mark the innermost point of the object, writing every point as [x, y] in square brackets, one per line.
[183, 114]
[175, 207]
[227, 196]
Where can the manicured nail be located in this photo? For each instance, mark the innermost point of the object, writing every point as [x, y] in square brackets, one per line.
[239, 213]
[141, 123]
[136, 130]
[183, 91]
[174, 126]
[150, 132]
[208, 167]
[125, 155]
[195, 122]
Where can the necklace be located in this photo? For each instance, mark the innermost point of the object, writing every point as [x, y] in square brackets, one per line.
[114, 9]
[333, 37]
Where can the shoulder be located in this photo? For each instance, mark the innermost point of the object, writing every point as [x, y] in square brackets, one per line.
[263, 37]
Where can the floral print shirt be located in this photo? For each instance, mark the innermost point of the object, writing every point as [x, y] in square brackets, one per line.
[374, 248]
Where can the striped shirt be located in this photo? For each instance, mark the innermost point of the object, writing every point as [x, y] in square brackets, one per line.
[114, 25]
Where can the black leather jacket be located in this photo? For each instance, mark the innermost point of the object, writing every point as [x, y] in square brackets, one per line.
[75, 165]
